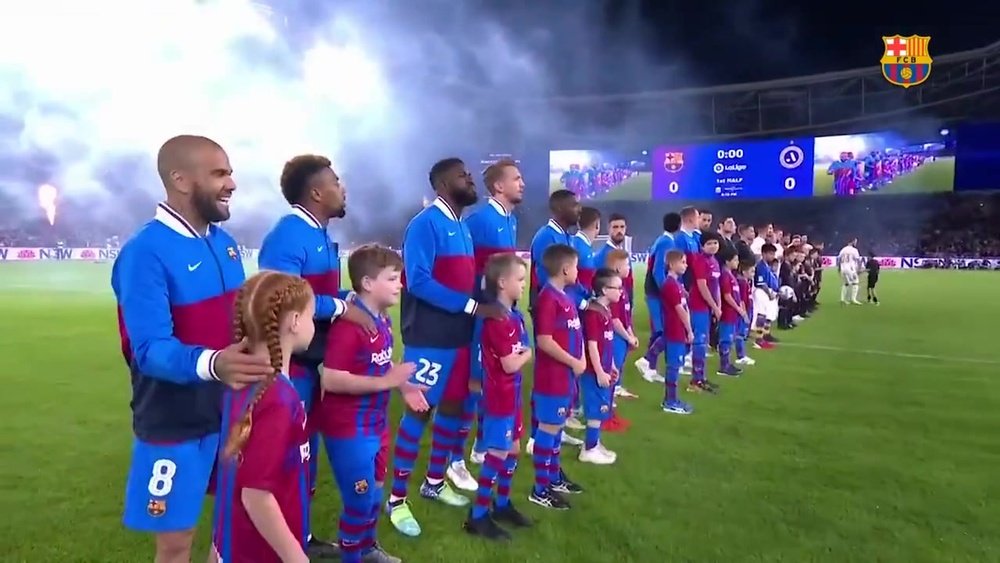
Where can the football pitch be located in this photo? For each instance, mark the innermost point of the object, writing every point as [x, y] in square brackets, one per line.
[936, 176]
[870, 434]
[636, 188]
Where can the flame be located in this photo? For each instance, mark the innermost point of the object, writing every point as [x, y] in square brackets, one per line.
[47, 201]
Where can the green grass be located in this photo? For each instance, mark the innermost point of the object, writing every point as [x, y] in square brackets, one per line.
[636, 188]
[887, 453]
[936, 176]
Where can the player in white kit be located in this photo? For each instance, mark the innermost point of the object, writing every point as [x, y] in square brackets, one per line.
[848, 261]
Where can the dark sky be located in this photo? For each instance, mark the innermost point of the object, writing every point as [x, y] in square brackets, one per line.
[737, 41]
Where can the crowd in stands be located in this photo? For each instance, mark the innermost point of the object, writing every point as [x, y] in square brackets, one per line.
[934, 225]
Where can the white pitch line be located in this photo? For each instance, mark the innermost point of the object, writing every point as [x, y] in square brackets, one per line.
[981, 361]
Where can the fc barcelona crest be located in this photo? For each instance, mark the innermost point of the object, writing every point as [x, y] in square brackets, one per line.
[361, 487]
[673, 161]
[906, 61]
[156, 507]
[232, 253]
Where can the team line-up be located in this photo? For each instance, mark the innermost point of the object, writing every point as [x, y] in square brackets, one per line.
[236, 381]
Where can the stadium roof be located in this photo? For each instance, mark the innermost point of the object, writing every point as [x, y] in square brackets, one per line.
[964, 85]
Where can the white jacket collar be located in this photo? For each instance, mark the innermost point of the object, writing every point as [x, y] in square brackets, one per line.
[443, 206]
[495, 204]
[173, 220]
[309, 218]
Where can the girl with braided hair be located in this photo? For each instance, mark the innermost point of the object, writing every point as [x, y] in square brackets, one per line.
[263, 469]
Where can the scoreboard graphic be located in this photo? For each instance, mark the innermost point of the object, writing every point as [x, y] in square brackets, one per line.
[841, 165]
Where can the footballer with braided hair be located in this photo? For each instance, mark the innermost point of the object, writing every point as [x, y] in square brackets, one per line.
[263, 471]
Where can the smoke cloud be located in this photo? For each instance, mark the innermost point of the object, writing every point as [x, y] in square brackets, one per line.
[90, 91]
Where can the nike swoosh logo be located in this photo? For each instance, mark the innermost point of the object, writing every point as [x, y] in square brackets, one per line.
[193, 267]
[512, 333]
[373, 339]
[319, 249]
[499, 229]
[451, 234]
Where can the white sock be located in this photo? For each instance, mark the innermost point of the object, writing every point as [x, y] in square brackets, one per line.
[854, 292]
[843, 293]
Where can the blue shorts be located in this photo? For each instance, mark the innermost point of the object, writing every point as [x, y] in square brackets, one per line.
[596, 399]
[727, 331]
[444, 371]
[167, 484]
[551, 409]
[498, 433]
[655, 316]
[353, 463]
[675, 352]
[701, 322]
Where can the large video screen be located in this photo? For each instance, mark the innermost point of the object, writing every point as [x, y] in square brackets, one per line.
[842, 165]
[977, 161]
[608, 175]
[884, 163]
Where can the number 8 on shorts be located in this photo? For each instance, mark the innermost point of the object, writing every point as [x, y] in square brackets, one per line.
[167, 484]
[163, 477]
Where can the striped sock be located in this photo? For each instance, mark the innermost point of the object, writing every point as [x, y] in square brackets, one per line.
[411, 429]
[555, 462]
[725, 348]
[492, 467]
[698, 353]
[505, 479]
[443, 437]
[541, 457]
[469, 409]
[376, 509]
[673, 374]
[352, 531]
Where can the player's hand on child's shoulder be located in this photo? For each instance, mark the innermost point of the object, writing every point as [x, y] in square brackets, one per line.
[358, 316]
[491, 311]
[236, 366]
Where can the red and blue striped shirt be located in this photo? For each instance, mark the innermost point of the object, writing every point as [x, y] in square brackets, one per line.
[352, 349]
[275, 459]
